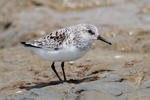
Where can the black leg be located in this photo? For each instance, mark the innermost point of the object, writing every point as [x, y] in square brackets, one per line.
[53, 67]
[62, 66]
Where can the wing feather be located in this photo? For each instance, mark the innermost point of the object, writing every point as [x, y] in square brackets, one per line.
[51, 41]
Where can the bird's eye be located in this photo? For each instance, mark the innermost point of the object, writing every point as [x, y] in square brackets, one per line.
[90, 31]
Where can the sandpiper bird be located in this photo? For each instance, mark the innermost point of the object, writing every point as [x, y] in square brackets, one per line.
[65, 44]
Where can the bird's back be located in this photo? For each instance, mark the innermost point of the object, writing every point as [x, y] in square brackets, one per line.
[54, 40]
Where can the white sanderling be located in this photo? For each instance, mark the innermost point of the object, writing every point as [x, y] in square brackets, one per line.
[65, 44]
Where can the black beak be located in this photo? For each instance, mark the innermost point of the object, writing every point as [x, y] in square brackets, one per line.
[102, 39]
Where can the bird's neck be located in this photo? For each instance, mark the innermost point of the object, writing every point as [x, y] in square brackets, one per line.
[85, 44]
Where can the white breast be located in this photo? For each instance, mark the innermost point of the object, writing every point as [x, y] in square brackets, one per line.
[66, 54]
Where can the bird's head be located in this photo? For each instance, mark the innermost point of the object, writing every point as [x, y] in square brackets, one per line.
[91, 33]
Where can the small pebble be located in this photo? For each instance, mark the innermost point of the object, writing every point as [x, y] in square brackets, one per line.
[118, 56]
[88, 59]
[18, 91]
[71, 62]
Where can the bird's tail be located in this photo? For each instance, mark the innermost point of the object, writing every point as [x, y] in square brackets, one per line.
[28, 45]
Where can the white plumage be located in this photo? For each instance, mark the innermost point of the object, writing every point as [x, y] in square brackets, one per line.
[65, 44]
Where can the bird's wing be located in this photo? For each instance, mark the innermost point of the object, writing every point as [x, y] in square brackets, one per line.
[51, 41]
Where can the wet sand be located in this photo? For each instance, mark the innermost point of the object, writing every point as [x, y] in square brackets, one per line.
[117, 72]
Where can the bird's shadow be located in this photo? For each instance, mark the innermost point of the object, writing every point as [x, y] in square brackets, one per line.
[74, 81]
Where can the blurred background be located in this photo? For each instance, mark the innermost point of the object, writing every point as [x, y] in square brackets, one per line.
[126, 23]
